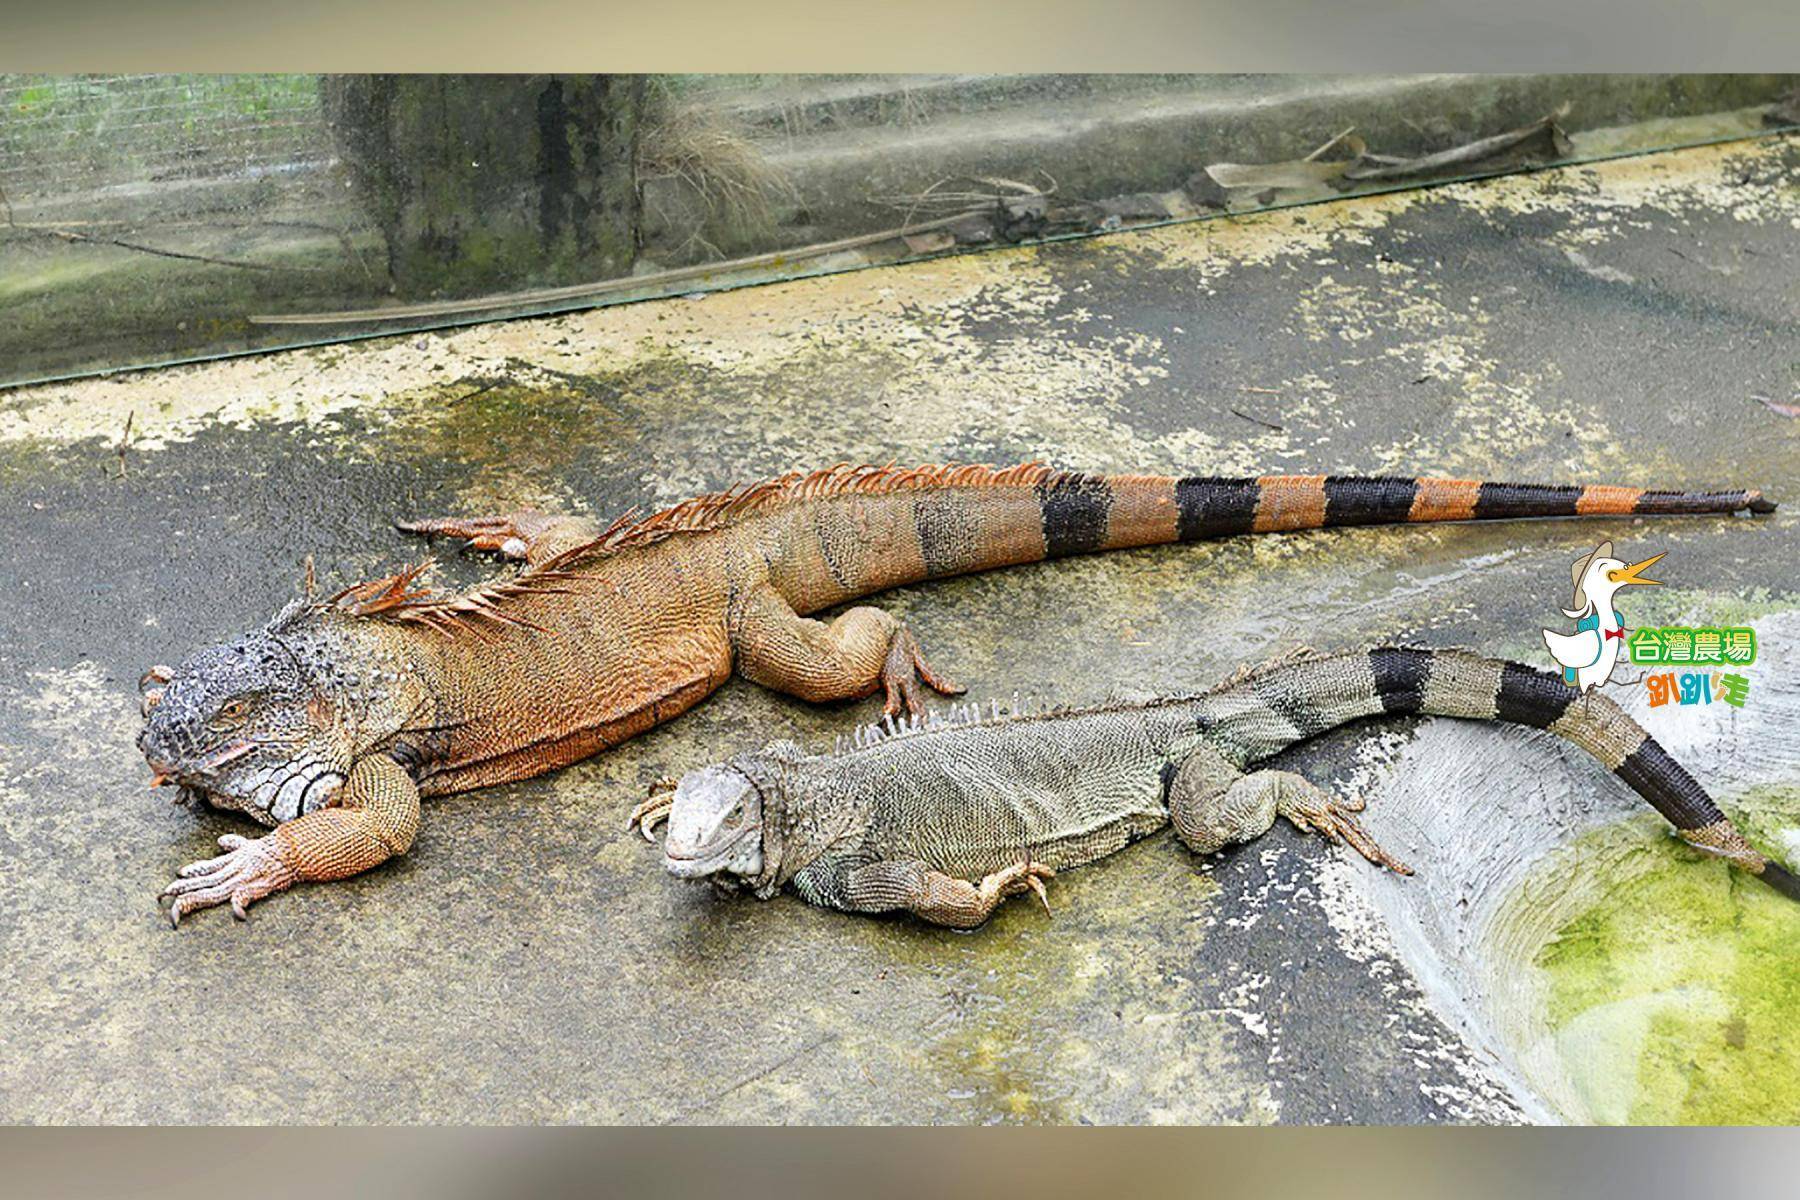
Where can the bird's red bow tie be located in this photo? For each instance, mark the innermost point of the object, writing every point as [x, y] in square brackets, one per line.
[1613, 633]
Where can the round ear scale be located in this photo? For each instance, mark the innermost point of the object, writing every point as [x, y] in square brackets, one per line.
[149, 700]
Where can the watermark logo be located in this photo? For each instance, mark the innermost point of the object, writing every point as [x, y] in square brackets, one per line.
[1672, 645]
[1602, 640]
[1587, 656]
[1697, 687]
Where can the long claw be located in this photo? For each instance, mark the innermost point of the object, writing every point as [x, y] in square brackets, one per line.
[509, 536]
[1363, 844]
[654, 809]
[1020, 876]
[250, 869]
[1336, 821]
[902, 672]
[941, 684]
[1313, 810]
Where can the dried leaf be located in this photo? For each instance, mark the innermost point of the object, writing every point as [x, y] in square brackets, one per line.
[1543, 137]
[1301, 173]
[929, 243]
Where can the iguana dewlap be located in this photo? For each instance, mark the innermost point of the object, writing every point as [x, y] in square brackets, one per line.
[946, 818]
[332, 721]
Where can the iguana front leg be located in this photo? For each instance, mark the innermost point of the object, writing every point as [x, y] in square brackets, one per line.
[894, 885]
[527, 535]
[654, 808]
[373, 818]
[1212, 805]
[861, 650]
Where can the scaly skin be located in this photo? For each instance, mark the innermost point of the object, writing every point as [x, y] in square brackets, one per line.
[946, 818]
[606, 633]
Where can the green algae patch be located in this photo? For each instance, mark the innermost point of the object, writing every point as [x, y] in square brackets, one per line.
[1674, 997]
[1677, 606]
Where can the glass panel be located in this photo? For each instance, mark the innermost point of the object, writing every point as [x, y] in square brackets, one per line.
[151, 219]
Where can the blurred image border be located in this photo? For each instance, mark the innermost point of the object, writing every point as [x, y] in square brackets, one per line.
[1000, 35]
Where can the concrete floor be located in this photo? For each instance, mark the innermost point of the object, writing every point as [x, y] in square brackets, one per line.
[529, 961]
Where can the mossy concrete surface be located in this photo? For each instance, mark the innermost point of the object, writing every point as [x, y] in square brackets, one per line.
[530, 961]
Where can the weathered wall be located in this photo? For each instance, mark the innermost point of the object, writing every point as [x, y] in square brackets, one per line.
[494, 181]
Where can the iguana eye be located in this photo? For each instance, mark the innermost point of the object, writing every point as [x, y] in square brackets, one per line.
[233, 711]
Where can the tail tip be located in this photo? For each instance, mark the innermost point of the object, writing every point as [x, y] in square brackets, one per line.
[1781, 879]
[1756, 502]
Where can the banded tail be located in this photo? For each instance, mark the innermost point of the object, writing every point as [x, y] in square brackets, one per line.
[1092, 512]
[1270, 711]
[857, 530]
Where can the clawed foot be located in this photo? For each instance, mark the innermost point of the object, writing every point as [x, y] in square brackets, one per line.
[1332, 818]
[250, 869]
[1020, 876]
[510, 536]
[655, 808]
[901, 673]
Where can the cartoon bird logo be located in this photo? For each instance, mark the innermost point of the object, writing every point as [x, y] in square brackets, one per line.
[1587, 656]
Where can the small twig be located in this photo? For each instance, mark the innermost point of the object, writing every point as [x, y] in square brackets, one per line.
[486, 387]
[1261, 390]
[69, 235]
[1256, 420]
[1314, 156]
[125, 440]
[311, 582]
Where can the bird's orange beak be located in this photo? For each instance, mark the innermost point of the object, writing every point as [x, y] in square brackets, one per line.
[1630, 574]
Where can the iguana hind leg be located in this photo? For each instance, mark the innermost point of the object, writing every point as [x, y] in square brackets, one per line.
[527, 535]
[858, 652]
[1212, 805]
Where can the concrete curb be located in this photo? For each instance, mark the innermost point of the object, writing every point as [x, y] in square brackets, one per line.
[1150, 138]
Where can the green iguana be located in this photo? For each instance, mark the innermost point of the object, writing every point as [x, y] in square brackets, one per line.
[331, 721]
[946, 818]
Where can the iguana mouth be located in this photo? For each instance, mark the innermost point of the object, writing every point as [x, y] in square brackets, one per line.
[227, 754]
[693, 866]
[196, 784]
[192, 778]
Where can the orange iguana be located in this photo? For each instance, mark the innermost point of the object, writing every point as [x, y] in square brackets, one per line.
[333, 720]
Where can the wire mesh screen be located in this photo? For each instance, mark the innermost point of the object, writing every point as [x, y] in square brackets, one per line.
[83, 131]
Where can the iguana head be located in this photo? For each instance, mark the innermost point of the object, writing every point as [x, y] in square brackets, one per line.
[265, 724]
[715, 825]
[733, 821]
